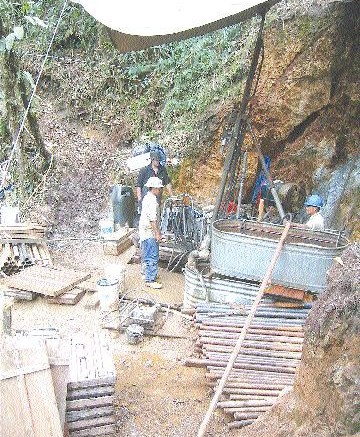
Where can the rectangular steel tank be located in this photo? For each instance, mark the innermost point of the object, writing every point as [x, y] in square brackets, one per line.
[243, 249]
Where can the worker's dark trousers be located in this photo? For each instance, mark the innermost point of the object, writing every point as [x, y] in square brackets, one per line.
[150, 257]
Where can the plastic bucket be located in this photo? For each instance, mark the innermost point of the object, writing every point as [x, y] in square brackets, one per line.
[9, 215]
[134, 333]
[106, 227]
[108, 294]
[115, 273]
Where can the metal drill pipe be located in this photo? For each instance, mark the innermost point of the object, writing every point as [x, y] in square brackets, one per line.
[246, 409]
[237, 397]
[250, 357]
[249, 403]
[252, 330]
[244, 416]
[255, 360]
[251, 386]
[240, 424]
[256, 376]
[249, 336]
[236, 321]
[253, 344]
[257, 352]
[198, 362]
[250, 391]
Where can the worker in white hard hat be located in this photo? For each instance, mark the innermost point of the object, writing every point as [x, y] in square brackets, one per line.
[312, 205]
[149, 231]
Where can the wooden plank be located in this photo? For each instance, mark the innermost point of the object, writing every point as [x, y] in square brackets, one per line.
[28, 403]
[19, 294]
[291, 293]
[71, 297]
[58, 352]
[45, 280]
[104, 431]
[82, 404]
[92, 413]
[99, 382]
[91, 392]
[88, 286]
[91, 423]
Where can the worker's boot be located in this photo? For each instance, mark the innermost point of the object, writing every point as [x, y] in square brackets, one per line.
[154, 284]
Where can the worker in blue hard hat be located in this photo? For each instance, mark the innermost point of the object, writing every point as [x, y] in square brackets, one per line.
[313, 205]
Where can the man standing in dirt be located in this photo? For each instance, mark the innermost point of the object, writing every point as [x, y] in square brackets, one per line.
[154, 169]
[149, 231]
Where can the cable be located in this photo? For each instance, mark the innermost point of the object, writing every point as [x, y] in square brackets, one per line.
[22, 125]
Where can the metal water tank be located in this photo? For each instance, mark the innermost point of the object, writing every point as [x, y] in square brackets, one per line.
[123, 204]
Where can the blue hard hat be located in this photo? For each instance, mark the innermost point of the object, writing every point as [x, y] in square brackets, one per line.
[314, 200]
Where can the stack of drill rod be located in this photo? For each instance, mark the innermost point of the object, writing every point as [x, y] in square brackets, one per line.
[266, 364]
[23, 245]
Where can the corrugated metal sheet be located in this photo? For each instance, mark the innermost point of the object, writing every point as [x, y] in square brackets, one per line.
[199, 289]
[243, 249]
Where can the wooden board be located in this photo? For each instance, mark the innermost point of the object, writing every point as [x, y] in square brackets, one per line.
[58, 353]
[18, 294]
[103, 431]
[90, 357]
[28, 402]
[48, 281]
[91, 423]
[116, 248]
[89, 413]
[83, 404]
[289, 293]
[71, 297]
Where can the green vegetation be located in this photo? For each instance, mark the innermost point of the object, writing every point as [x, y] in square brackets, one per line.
[162, 92]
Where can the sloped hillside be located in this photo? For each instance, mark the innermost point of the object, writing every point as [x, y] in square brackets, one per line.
[94, 103]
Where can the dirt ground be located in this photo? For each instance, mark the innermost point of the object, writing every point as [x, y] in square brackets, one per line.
[156, 395]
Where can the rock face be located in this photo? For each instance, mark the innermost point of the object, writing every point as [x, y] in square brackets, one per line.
[306, 108]
[326, 400]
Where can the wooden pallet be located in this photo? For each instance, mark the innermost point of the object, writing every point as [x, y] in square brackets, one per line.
[90, 398]
[45, 280]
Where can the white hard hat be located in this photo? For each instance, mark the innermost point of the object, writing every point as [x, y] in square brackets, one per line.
[154, 182]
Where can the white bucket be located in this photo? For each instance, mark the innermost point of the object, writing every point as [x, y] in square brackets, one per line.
[106, 227]
[9, 215]
[115, 273]
[108, 294]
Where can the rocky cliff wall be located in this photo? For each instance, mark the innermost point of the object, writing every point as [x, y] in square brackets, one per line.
[305, 112]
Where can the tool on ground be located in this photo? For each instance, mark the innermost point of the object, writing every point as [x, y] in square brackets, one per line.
[241, 338]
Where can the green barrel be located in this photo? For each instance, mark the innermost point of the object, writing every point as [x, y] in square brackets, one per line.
[123, 204]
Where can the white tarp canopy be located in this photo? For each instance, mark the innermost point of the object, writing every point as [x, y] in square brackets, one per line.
[137, 24]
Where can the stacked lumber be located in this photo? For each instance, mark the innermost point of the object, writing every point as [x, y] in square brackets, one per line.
[266, 364]
[22, 245]
[90, 398]
[29, 403]
[55, 282]
[117, 242]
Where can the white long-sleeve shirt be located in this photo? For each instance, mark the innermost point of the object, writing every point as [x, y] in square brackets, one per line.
[316, 222]
[150, 211]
